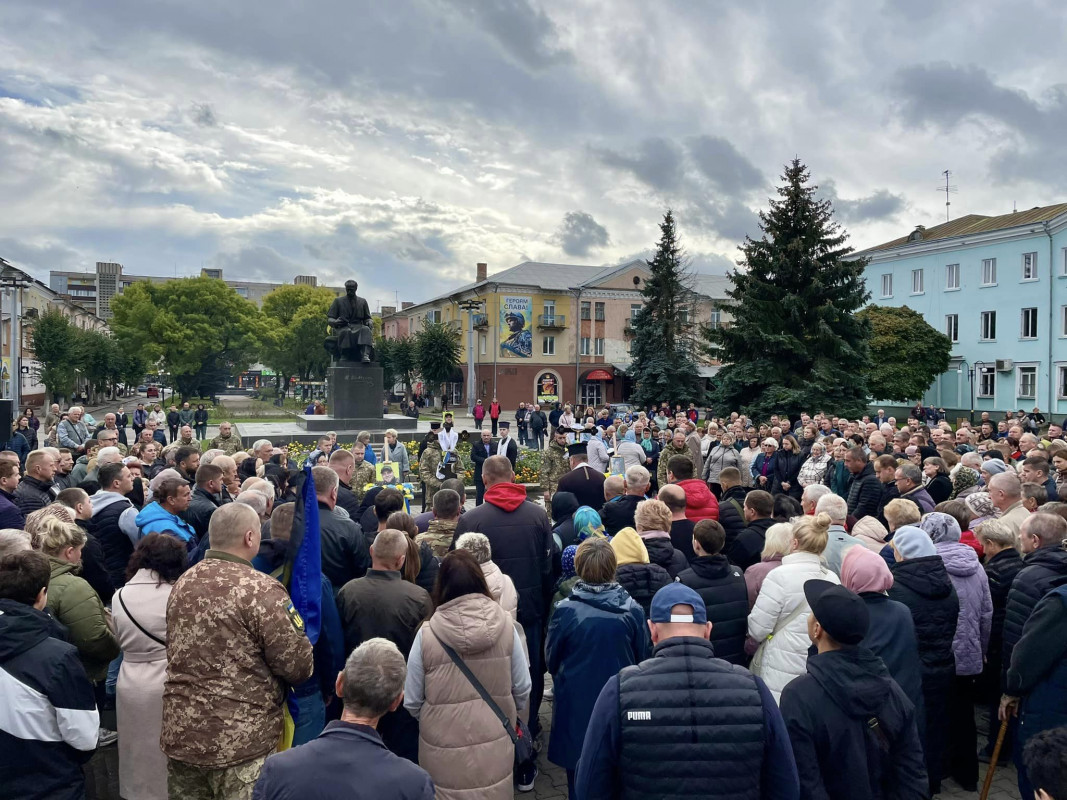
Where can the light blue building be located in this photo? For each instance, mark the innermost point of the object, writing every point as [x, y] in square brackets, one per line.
[997, 286]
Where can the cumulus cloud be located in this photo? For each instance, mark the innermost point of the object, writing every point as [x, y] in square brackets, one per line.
[879, 205]
[579, 233]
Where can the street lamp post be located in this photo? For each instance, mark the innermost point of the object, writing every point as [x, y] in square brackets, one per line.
[15, 280]
[470, 306]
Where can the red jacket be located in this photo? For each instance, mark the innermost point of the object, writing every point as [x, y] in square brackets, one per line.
[700, 503]
[494, 411]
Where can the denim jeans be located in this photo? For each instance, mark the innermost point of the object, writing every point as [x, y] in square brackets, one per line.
[310, 717]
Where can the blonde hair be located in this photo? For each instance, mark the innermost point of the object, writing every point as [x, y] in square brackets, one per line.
[35, 519]
[57, 535]
[777, 539]
[812, 533]
[652, 515]
[901, 512]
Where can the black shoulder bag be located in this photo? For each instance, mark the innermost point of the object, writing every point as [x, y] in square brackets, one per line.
[137, 624]
[520, 734]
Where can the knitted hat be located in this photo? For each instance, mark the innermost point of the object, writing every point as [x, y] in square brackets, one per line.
[870, 529]
[980, 503]
[941, 527]
[477, 544]
[994, 466]
[912, 542]
[628, 547]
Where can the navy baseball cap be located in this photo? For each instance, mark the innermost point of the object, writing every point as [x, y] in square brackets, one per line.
[841, 612]
[677, 594]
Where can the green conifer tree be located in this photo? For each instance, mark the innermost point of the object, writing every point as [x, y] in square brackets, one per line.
[794, 342]
[663, 365]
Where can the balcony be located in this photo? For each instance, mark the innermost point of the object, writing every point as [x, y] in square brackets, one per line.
[629, 329]
[552, 321]
[481, 321]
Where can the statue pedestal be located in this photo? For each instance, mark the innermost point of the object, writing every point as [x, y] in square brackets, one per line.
[354, 391]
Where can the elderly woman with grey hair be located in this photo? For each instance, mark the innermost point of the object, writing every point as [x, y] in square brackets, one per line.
[813, 470]
[394, 451]
[500, 585]
[969, 645]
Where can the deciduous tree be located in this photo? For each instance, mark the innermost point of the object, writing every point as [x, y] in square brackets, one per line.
[907, 353]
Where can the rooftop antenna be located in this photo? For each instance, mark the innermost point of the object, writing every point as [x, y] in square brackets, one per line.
[948, 189]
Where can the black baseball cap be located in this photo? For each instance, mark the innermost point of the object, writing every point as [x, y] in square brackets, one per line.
[840, 612]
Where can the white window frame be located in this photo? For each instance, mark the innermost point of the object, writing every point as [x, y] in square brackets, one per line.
[1063, 321]
[635, 309]
[887, 284]
[591, 394]
[1028, 317]
[548, 346]
[989, 272]
[584, 346]
[482, 343]
[1061, 382]
[984, 327]
[1019, 387]
[1063, 263]
[952, 327]
[1029, 267]
[586, 311]
[715, 319]
[598, 346]
[952, 277]
[918, 281]
[987, 374]
[548, 308]
[683, 316]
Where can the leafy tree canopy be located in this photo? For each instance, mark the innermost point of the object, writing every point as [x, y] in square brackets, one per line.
[437, 352]
[907, 353]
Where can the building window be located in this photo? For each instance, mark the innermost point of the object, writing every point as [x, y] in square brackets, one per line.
[1029, 266]
[598, 347]
[989, 326]
[683, 316]
[635, 309]
[598, 311]
[1063, 262]
[1028, 323]
[952, 327]
[716, 318]
[242, 291]
[887, 285]
[989, 272]
[586, 309]
[1061, 384]
[952, 276]
[591, 394]
[1063, 320]
[585, 346]
[916, 281]
[482, 344]
[548, 346]
[434, 316]
[549, 310]
[455, 394]
[1027, 380]
[987, 383]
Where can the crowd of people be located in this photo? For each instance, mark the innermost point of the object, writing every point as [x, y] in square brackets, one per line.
[807, 608]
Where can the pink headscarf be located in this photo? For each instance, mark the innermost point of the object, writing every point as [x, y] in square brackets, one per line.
[863, 570]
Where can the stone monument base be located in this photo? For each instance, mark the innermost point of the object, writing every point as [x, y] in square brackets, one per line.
[320, 423]
[354, 391]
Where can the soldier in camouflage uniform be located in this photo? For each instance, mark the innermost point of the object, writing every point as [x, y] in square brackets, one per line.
[555, 463]
[447, 505]
[429, 464]
[363, 474]
[227, 441]
[234, 644]
[186, 438]
[675, 447]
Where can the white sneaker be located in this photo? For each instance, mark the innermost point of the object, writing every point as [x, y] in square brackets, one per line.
[106, 737]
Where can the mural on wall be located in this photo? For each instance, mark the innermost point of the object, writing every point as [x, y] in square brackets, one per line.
[516, 326]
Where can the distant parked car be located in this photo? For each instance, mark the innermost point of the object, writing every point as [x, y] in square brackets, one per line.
[153, 391]
[142, 389]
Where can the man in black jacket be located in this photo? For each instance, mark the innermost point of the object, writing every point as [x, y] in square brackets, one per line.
[731, 505]
[54, 731]
[673, 496]
[864, 488]
[852, 727]
[205, 498]
[619, 513]
[344, 464]
[758, 506]
[1041, 540]
[520, 537]
[480, 451]
[722, 588]
[345, 555]
[34, 491]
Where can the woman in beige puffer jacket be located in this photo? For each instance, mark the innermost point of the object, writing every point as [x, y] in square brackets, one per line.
[462, 743]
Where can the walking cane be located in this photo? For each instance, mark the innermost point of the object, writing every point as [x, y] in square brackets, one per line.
[993, 761]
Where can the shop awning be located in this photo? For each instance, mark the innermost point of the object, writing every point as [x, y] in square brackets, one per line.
[599, 374]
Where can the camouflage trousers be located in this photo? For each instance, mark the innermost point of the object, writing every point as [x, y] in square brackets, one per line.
[189, 782]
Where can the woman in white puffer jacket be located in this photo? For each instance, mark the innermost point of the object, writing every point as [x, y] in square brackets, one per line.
[780, 616]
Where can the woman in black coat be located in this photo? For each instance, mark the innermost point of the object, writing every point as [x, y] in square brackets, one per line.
[921, 582]
[787, 464]
[940, 486]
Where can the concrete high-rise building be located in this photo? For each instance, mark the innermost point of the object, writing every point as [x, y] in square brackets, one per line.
[108, 277]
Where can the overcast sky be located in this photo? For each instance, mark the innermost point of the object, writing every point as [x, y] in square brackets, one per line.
[401, 142]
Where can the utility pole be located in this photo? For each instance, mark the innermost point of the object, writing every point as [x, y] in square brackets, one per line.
[948, 189]
[470, 306]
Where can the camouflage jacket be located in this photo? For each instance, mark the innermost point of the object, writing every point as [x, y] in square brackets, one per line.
[234, 641]
[229, 446]
[439, 535]
[668, 452]
[363, 475]
[192, 443]
[429, 463]
[554, 465]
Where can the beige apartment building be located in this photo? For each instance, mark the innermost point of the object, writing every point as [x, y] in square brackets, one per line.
[549, 332]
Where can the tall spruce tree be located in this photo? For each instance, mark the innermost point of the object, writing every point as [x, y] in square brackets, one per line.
[663, 365]
[794, 343]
